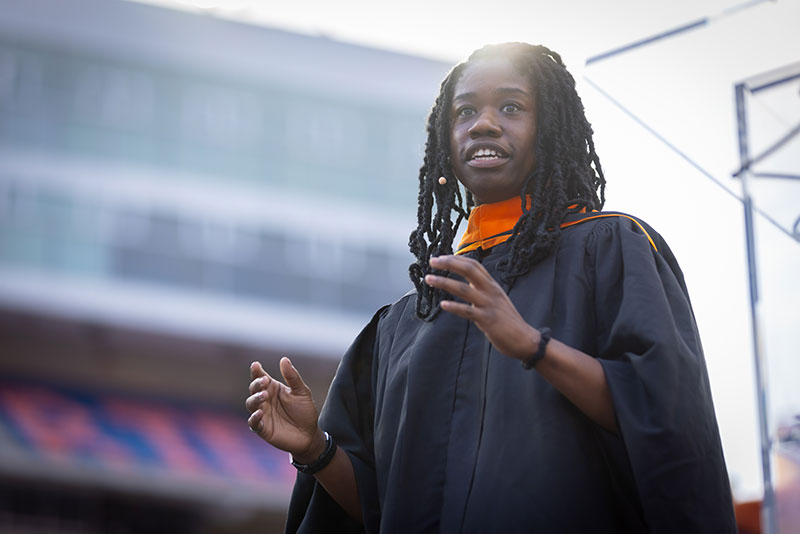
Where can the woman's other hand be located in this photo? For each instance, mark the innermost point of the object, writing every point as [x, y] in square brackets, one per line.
[577, 375]
[486, 305]
[285, 415]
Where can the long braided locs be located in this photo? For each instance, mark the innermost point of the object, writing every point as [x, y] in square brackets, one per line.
[567, 178]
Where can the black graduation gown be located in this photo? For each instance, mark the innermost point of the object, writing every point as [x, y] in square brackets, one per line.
[447, 435]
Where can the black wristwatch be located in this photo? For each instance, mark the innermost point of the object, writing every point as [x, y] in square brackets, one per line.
[544, 339]
[321, 462]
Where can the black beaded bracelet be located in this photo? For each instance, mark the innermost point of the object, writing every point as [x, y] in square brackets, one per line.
[321, 462]
[544, 339]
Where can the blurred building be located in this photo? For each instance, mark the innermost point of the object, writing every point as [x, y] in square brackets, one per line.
[181, 195]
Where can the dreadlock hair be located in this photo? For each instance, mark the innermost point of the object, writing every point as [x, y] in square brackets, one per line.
[567, 177]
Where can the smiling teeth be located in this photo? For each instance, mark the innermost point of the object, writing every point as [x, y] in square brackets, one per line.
[485, 153]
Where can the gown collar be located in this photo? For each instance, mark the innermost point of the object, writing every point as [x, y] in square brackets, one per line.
[491, 224]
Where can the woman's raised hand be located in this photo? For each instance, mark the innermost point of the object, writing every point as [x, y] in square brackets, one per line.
[486, 305]
[285, 415]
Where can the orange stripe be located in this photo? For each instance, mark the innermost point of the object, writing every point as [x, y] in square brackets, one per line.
[486, 243]
[568, 224]
[492, 241]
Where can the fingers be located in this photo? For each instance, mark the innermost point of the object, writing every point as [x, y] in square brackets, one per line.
[260, 384]
[471, 270]
[261, 378]
[293, 378]
[454, 287]
[481, 288]
[254, 401]
[254, 421]
[256, 370]
[467, 311]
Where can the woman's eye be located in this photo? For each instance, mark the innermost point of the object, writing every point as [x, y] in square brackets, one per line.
[465, 112]
[510, 108]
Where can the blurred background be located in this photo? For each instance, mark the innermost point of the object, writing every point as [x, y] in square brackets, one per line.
[186, 187]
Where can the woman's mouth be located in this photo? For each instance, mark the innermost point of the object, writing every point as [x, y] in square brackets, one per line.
[486, 158]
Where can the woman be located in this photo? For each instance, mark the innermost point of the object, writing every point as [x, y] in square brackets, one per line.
[607, 426]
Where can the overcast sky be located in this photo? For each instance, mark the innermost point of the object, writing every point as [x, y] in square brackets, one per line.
[682, 87]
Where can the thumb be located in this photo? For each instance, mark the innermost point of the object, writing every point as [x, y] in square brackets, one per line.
[293, 378]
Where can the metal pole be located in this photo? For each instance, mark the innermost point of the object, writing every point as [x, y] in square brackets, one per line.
[768, 510]
[674, 31]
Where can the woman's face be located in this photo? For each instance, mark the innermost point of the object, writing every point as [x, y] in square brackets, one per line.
[493, 130]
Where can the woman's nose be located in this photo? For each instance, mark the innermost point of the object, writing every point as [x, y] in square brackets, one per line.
[485, 124]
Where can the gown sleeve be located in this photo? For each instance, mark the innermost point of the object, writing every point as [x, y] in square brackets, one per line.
[650, 351]
[348, 417]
